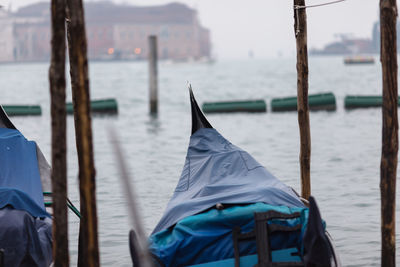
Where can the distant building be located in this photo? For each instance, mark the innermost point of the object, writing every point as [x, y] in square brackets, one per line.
[349, 45]
[6, 37]
[113, 32]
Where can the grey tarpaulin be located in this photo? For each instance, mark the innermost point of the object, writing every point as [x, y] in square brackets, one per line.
[217, 171]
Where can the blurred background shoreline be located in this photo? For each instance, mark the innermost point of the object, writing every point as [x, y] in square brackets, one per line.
[346, 145]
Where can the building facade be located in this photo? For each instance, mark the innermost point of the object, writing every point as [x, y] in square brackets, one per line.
[113, 32]
[6, 38]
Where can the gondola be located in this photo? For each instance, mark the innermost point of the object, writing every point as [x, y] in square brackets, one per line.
[228, 210]
[25, 224]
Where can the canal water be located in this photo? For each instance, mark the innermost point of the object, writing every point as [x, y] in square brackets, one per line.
[346, 145]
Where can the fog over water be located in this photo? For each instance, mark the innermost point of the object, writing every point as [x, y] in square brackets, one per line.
[346, 145]
[266, 27]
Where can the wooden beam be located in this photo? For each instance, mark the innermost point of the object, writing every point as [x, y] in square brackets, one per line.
[58, 134]
[88, 254]
[300, 27]
[153, 74]
[388, 19]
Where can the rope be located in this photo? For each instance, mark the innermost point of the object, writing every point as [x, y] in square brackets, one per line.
[324, 4]
[70, 205]
[297, 7]
[297, 23]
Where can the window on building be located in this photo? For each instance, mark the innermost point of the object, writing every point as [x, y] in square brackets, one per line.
[164, 32]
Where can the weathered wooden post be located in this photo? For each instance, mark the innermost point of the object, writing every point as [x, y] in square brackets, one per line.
[58, 136]
[88, 255]
[388, 18]
[153, 74]
[300, 27]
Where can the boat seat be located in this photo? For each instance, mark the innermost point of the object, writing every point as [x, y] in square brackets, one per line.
[262, 231]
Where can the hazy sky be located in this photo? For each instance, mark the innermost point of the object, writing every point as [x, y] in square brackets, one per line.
[266, 26]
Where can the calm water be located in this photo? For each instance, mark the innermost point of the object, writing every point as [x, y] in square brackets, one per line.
[346, 145]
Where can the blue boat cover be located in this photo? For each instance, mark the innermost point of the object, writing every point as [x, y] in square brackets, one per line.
[20, 184]
[207, 237]
[25, 240]
[217, 171]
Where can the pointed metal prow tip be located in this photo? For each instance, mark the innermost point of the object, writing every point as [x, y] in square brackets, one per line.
[198, 119]
[317, 248]
[4, 120]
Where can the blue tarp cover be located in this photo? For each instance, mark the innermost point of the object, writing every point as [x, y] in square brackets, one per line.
[207, 237]
[20, 184]
[26, 241]
[217, 171]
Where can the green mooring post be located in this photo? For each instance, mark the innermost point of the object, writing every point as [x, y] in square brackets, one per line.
[235, 106]
[324, 101]
[23, 110]
[103, 106]
[364, 101]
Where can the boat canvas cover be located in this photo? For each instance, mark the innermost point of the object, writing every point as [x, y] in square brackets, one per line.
[207, 237]
[26, 241]
[25, 226]
[216, 171]
[20, 184]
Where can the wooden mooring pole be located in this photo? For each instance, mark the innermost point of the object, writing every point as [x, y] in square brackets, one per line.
[88, 251]
[153, 74]
[388, 19]
[300, 28]
[58, 134]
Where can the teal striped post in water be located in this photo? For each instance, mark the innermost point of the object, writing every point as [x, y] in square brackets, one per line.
[367, 101]
[22, 110]
[235, 106]
[108, 105]
[324, 101]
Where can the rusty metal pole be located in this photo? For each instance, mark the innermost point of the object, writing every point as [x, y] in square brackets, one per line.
[300, 27]
[88, 255]
[58, 134]
[390, 143]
